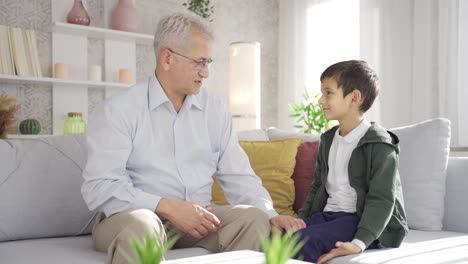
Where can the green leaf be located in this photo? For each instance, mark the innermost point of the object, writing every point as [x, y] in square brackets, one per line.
[308, 114]
[152, 249]
[201, 8]
[281, 247]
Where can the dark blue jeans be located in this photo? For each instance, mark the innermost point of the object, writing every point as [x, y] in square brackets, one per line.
[323, 230]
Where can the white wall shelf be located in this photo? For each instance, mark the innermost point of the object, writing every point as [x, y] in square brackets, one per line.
[20, 136]
[102, 33]
[13, 79]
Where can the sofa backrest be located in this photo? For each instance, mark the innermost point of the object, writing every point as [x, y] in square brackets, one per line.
[40, 182]
[456, 195]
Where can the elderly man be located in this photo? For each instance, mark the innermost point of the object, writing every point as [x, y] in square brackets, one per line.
[152, 152]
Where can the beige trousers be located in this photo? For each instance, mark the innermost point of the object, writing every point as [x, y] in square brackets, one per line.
[242, 228]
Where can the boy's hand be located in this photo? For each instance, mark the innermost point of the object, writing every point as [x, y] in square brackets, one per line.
[342, 249]
[287, 222]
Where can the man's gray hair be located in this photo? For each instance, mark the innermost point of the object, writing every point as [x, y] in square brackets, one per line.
[174, 31]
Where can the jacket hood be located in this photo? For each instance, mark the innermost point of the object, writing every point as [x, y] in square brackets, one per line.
[375, 134]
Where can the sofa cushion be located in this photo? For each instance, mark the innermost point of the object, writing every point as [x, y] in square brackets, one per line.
[303, 175]
[273, 162]
[40, 188]
[252, 135]
[70, 250]
[418, 247]
[424, 150]
[456, 194]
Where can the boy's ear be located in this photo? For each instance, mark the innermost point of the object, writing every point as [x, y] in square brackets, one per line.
[357, 97]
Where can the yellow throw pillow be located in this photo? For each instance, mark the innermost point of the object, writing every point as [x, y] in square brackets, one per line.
[273, 162]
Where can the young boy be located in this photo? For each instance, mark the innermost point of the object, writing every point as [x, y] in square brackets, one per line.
[356, 200]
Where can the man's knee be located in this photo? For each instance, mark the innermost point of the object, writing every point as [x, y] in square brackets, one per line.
[126, 225]
[257, 218]
[140, 222]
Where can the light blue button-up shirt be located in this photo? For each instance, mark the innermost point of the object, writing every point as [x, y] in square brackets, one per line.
[141, 150]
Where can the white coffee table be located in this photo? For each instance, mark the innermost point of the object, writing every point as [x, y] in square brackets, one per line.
[238, 257]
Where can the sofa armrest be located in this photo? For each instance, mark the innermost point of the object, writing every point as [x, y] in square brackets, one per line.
[456, 196]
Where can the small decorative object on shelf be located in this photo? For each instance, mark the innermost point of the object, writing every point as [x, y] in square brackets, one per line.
[78, 14]
[125, 17]
[30, 127]
[8, 109]
[61, 71]
[74, 124]
[94, 73]
[124, 76]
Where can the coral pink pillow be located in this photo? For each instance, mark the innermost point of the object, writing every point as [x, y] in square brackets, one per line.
[303, 175]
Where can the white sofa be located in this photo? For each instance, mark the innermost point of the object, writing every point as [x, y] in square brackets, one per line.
[44, 219]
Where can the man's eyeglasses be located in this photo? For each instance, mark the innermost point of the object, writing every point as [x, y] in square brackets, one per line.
[200, 64]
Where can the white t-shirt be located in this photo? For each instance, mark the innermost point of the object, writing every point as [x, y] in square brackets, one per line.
[342, 197]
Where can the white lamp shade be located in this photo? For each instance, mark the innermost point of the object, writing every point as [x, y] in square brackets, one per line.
[244, 85]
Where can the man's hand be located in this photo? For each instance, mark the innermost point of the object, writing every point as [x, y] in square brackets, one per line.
[287, 222]
[188, 217]
[342, 249]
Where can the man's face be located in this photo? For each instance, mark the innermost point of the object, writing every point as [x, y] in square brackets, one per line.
[188, 75]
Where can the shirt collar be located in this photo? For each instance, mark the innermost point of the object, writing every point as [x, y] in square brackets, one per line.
[196, 100]
[356, 133]
[157, 96]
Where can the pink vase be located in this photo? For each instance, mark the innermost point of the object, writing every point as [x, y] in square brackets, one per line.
[78, 14]
[125, 16]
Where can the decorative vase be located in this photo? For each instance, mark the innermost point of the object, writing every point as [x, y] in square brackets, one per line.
[78, 14]
[74, 124]
[30, 127]
[125, 16]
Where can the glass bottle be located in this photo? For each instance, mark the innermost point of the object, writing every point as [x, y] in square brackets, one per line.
[74, 124]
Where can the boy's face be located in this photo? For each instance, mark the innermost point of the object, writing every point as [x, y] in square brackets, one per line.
[335, 106]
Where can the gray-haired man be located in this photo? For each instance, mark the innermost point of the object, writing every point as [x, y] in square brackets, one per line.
[153, 149]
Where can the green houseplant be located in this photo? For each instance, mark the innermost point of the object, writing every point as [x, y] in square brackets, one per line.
[309, 115]
[152, 250]
[200, 7]
[281, 247]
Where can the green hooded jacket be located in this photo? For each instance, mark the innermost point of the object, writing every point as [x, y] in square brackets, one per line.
[373, 173]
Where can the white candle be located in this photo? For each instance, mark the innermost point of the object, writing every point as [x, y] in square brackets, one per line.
[94, 73]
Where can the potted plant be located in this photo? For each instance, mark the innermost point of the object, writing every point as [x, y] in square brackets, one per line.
[309, 115]
[281, 247]
[8, 109]
[152, 250]
[200, 7]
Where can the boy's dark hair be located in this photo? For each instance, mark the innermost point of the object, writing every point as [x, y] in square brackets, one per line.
[355, 75]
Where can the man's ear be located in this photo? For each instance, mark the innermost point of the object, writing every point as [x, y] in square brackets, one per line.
[165, 59]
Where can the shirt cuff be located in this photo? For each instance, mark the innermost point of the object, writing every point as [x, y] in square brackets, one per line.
[359, 243]
[271, 214]
[146, 201]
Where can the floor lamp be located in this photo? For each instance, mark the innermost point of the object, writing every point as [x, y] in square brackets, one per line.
[244, 85]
